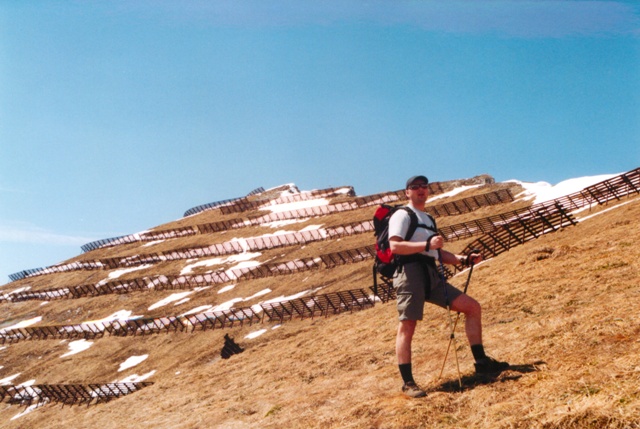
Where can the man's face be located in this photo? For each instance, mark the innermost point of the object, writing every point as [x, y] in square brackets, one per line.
[418, 191]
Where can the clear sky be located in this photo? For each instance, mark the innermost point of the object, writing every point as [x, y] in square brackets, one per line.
[117, 116]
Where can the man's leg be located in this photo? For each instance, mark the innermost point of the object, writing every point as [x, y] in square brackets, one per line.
[406, 329]
[473, 317]
[473, 328]
[409, 284]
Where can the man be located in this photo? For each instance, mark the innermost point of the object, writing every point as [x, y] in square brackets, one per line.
[418, 280]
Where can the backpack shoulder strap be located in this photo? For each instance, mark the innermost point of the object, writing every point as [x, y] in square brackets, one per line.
[413, 217]
[415, 223]
[433, 222]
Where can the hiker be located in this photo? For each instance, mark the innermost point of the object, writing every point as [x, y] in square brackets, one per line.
[417, 280]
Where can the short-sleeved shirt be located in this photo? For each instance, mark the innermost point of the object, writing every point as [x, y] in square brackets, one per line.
[416, 283]
[399, 225]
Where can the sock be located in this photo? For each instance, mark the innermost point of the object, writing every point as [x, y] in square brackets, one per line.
[405, 372]
[478, 352]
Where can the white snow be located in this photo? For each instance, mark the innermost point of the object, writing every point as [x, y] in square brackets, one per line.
[117, 273]
[278, 208]
[77, 347]
[219, 261]
[177, 298]
[27, 410]
[311, 228]
[257, 294]
[290, 297]
[22, 289]
[171, 298]
[291, 189]
[281, 223]
[259, 332]
[343, 191]
[152, 243]
[541, 192]
[7, 380]
[135, 378]
[118, 315]
[257, 308]
[452, 192]
[132, 361]
[197, 310]
[205, 263]
[242, 257]
[226, 305]
[23, 324]
[226, 288]
[256, 334]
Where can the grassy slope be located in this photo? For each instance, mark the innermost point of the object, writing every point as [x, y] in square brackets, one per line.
[562, 308]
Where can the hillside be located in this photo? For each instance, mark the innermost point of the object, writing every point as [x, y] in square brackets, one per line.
[561, 308]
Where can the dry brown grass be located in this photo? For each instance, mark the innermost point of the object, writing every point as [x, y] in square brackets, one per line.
[562, 309]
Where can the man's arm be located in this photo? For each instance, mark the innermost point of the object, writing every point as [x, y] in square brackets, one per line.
[400, 247]
[452, 259]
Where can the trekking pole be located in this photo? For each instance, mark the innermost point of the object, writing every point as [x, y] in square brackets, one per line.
[466, 286]
[452, 338]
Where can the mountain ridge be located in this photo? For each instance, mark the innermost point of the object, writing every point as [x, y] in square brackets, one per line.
[303, 373]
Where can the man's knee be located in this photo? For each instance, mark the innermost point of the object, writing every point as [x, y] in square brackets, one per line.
[407, 327]
[474, 308]
[467, 306]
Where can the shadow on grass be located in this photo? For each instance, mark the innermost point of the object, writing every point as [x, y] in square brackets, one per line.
[514, 372]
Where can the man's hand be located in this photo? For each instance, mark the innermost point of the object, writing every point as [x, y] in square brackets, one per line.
[474, 257]
[436, 242]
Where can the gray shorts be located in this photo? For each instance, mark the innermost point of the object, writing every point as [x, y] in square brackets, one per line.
[410, 284]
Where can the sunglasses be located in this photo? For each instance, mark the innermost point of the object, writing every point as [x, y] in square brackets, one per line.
[421, 185]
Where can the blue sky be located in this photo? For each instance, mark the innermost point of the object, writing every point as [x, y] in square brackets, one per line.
[118, 116]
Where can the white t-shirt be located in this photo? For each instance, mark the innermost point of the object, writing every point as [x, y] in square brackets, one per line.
[399, 225]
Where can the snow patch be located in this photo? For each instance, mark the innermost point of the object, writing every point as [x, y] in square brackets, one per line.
[8, 380]
[171, 298]
[246, 256]
[152, 243]
[281, 223]
[541, 192]
[226, 288]
[132, 361]
[77, 347]
[135, 378]
[198, 310]
[23, 324]
[117, 273]
[118, 315]
[226, 305]
[278, 208]
[257, 294]
[453, 192]
[255, 334]
[206, 263]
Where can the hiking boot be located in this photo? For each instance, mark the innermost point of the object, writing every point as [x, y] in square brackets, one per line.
[412, 390]
[489, 365]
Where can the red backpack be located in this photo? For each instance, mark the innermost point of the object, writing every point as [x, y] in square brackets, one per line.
[386, 263]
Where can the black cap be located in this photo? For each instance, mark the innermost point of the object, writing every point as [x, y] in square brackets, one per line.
[414, 178]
